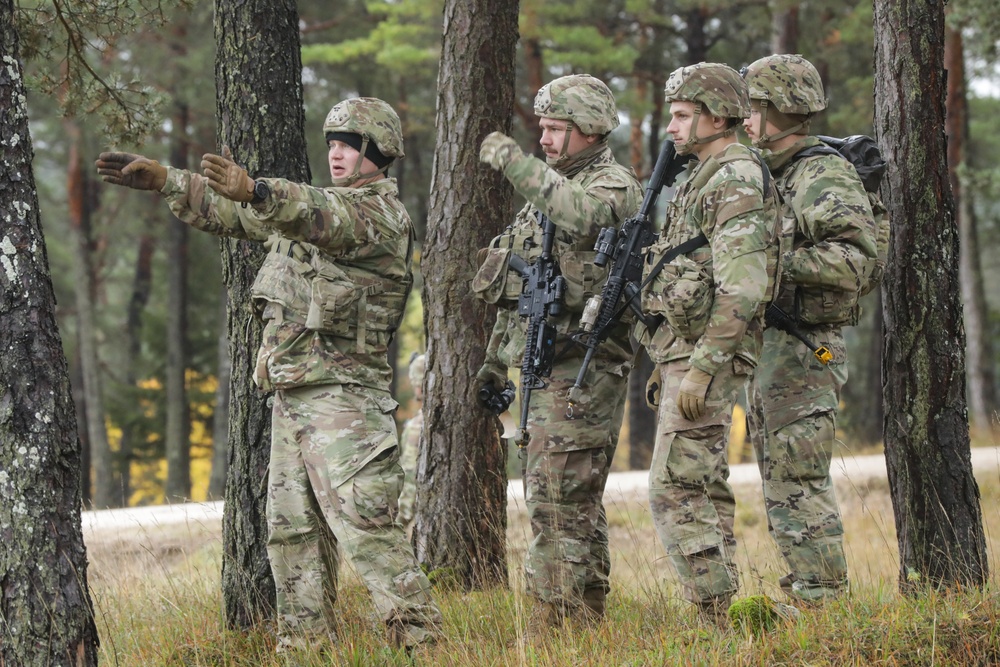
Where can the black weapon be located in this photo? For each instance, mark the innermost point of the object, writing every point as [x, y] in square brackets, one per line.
[626, 249]
[541, 296]
[776, 317]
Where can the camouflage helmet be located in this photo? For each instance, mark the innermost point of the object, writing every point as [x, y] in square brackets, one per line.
[369, 117]
[584, 100]
[788, 82]
[719, 88]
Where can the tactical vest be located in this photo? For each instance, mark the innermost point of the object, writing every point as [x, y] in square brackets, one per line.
[495, 282]
[332, 298]
[684, 291]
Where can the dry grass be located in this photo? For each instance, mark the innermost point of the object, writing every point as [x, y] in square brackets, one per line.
[157, 598]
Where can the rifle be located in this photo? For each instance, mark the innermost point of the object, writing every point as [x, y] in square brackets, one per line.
[774, 316]
[626, 249]
[541, 296]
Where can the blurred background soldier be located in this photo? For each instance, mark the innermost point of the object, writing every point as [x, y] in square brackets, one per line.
[795, 398]
[581, 188]
[331, 291]
[712, 300]
[409, 442]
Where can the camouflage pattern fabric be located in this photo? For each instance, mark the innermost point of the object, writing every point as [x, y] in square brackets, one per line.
[569, 458]
[790, 84]
[723, 201]
[318, 477]
[334, 479]
[409, 442]
[369, 117]
[692, 503]
[581, 99]
[795, 399]
[828, 214]
[792, 425]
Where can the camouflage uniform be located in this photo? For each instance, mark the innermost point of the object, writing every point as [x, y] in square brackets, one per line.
[795, 398]
[569, 453]
[409, 443]
[331, 291]
[712, 300]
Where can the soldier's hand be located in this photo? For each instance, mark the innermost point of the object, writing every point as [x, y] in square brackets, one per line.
[131, 170]
[492, 374]
[691, 396]
[226, 177]
[498, 150]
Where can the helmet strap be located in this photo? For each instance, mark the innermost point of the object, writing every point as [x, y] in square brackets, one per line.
[563, 156]
[694, 140]
[356, 175]
[765, 140]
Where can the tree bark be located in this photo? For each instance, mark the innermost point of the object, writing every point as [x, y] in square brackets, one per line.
[785, 27]
[935, 496]
[46, 615]
[261, 118]
[461, 507]
[177, 441]
[982, 397]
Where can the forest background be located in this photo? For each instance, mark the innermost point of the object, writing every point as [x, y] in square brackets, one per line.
[141, 305]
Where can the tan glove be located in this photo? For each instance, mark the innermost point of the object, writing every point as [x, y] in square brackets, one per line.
[226, 177]
[691, 396]
[131, 170]
[498, 150]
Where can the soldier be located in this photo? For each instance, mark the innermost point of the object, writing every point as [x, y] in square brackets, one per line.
[331, 292]
[712, 300]
[795, 398]
[409, 441]
[581, 188]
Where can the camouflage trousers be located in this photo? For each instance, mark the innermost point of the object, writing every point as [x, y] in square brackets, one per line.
[692, 503]
[333, 485]
[409, 442]
[792, 423]
[569, 455]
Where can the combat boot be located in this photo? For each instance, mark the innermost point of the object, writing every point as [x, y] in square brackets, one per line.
[715, 612]
[542, 620]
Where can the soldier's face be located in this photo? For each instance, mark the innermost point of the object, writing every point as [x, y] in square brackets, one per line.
[554, 137]
[751, 125]
[343, 158]
[681, 121]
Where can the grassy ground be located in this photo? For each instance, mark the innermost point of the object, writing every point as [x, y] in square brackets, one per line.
[158, 603]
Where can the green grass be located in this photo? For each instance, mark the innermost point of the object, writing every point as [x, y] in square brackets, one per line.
[158, 603]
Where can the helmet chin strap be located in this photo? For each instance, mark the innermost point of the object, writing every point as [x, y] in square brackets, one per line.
[563, 156]
[694, 140]
[356, 175]
[765, 140]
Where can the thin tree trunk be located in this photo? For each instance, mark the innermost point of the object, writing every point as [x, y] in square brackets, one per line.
[106, 490]
[261, 118]
[935, 496]
[177, 439]
[46, 615]
[141, 284]
[220, 416]
[982, 398]
[461, 514]
[785, 27]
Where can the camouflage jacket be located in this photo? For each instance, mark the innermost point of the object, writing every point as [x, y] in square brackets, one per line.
[713, 297]
[334, 282]
[600, 193]
[829, 219]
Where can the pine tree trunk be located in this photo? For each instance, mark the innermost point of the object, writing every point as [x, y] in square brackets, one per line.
[261, 118]
[784, 27]
[461, 508]
[106, 492]
[46, 615]
[982, 397]
[935, 496]
[220, 415]
[177, 440]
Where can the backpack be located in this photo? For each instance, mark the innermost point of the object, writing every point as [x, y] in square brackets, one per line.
[862, 152]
